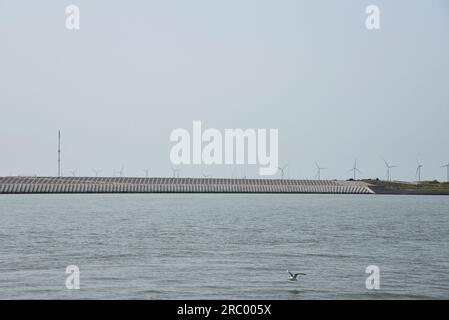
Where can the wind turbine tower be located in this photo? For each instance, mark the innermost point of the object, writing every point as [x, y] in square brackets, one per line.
[282, 169]
[205, 175]
[59, 153]
[418, 170]
[119, 172]
[388, 170]
[175, 172]
[97, 172]
[355, 170]
[447, 169]
[147, 172]
[318, 174]
[73, 172]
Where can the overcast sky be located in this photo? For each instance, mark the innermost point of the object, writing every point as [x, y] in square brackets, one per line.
[139, 69]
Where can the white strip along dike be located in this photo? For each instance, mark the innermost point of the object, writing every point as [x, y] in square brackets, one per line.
[24, 185]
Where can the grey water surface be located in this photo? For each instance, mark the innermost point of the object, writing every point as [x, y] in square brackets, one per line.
[223, 246]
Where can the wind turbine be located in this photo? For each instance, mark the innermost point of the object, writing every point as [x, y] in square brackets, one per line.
[120, 172]
[97, 171]
[282, 169]
[73, 172]
[418, 170]
[147, 171]
[447, 168]
[388, 169]
[206, 175]
[355, 169]
[175, 172]
[318, 174]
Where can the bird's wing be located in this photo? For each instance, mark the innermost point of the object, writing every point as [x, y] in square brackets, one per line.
[299, 274]
[291, 274]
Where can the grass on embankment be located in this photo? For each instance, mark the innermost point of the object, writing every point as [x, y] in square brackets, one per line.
[399, 187]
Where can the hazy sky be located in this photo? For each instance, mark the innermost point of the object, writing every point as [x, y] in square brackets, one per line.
[139, 69]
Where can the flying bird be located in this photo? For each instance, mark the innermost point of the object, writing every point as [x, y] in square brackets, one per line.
[294, 277]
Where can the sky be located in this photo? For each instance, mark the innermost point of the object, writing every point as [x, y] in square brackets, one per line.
[136, 70]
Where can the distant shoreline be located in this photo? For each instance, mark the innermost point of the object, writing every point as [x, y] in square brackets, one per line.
[58, 185]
